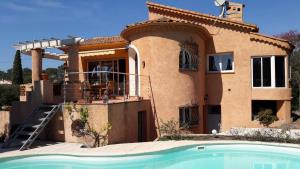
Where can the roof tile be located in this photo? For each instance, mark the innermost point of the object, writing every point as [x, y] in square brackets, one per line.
[103, 40]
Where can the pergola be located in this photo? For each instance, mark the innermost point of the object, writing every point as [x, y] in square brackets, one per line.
[36, 49]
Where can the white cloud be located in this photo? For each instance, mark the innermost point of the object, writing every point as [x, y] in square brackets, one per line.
[49, 3]
[19, 7]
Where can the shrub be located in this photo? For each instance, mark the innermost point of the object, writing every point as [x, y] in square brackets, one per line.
[17, 71]
[171, 130]
[8, 94]
[2, 137]
[81, 127]
[266, 117]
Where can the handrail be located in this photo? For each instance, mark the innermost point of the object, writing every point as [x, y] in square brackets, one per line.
[92, 72]
[38, 130]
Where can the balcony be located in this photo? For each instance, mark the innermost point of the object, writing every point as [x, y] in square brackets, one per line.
[100, 87]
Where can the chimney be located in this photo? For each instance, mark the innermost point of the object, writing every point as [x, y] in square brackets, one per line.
[235, 11]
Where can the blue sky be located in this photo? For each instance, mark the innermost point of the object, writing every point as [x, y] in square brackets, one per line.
[22, 20]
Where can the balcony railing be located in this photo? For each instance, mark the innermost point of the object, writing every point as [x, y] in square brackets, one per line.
[104, 86]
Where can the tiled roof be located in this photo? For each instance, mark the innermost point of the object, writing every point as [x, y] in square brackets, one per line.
[139, 26]
[103, 40]
[181, 13]
[161, 20]
[282, 43]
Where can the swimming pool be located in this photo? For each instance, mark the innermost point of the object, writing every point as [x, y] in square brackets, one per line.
[233, 156]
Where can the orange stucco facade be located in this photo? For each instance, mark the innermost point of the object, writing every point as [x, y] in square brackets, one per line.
[151, 51]
[159, 46]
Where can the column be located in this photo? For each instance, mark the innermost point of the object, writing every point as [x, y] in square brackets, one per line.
[37, 63]
[73, 63]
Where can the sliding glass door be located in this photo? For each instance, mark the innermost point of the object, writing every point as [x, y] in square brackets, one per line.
[107, 74]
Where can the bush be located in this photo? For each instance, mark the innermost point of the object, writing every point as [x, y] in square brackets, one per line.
[82, 128]
[171, 130]
[2, 137]
[8, 94]
[266, 117]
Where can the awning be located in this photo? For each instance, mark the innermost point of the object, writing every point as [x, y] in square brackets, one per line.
[98, 52]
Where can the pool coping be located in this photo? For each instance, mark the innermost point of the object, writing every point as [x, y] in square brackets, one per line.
[128, 149]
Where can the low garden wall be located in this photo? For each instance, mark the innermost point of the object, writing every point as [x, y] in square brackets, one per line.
[264, 132]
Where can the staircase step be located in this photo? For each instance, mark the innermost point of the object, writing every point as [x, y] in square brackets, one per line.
[30, 129]
[31, 125]
[47, 112]
[26, 133]
[16, 143]
[41, 119]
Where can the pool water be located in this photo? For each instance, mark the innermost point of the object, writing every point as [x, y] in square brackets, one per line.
[235, 156]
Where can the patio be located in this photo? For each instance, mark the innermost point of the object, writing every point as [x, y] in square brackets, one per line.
[42, 148]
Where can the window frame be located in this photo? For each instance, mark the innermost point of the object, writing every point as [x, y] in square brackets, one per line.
[190, 108]
[273, 72]
[220, 55]
[192, 57]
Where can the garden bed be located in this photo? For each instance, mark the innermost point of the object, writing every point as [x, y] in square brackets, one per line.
[228, 137]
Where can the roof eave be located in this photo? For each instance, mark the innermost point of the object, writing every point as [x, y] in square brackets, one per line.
[163, 8]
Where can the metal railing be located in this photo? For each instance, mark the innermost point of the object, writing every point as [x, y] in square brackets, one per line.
[87, 87]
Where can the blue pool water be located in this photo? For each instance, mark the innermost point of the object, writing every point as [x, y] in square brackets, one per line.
[235, 156]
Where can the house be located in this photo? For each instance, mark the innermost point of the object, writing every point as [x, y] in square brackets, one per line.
[198, 69]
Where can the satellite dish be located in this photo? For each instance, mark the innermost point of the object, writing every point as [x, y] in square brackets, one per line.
[220, 2]
[223, 4]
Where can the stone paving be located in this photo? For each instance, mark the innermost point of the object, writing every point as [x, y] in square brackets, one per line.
[118, 149]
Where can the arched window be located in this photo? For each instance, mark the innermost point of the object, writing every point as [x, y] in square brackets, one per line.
[188, 61]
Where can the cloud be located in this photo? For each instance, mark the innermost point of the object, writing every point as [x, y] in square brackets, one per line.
[19, 7]
[48, 3]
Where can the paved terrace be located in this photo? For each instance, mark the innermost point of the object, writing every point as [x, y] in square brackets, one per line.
[118, 149]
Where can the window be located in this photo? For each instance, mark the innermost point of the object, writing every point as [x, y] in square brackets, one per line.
[261, 105]
[220, 63]
[280, 71]
[268, 71]
[187, 60]
[189, 115]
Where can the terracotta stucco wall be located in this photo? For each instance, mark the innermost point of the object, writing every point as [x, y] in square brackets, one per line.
[171, 87]
[122, 117]
[233, 91]
[124, 120]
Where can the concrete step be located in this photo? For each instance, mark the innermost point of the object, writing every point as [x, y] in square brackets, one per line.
[17, 143]
[35, 126]
[41, 119]
[25, 133]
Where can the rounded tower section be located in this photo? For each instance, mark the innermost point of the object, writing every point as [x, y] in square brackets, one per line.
[173, 54]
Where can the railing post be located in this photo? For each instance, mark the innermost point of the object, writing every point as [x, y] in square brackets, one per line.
[64, 83]
[124, 86]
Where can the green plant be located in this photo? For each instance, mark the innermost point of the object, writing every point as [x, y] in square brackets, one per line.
[84, 114]
[8, 94]
[17, 72]
[81, 127]
[172, 130]
[266, 117]
[2, 137]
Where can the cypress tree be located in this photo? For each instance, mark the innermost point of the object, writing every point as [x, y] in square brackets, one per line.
[17, 72]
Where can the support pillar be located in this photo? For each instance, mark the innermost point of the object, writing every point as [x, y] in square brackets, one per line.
[37, 56]
[73, 63]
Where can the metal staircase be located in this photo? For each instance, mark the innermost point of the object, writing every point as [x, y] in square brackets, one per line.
[32, 126]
